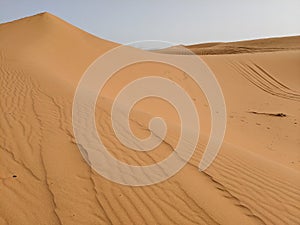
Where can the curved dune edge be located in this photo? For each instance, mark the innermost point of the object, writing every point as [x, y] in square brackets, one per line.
[44, 179]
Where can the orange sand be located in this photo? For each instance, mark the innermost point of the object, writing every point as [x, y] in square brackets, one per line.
[254, 180]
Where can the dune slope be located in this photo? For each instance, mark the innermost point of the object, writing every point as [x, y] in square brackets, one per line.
[44, 179]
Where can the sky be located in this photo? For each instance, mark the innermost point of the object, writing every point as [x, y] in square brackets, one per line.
[175, 21]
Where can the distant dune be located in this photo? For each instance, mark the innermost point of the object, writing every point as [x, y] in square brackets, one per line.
[251, 46]
[44, 179]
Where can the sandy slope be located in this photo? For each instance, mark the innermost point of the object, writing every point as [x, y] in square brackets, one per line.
[254, 180]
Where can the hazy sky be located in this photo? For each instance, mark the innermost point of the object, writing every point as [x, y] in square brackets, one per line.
[177, 21]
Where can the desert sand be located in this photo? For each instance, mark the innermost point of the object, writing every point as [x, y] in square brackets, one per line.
[255, 179]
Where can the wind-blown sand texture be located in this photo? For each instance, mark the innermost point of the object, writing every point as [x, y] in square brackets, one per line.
[44, 180]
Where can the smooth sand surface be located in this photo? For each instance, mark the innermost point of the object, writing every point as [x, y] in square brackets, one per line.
[44, 179]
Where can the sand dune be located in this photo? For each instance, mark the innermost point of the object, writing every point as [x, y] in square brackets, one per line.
[251, 46]
[44, 179]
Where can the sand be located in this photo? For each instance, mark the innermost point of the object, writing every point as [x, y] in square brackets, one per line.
[255, 179]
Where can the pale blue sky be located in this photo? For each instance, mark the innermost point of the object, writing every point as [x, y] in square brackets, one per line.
[177, 21]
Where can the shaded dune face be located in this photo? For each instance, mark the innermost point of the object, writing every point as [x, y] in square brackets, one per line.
[45, 180]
